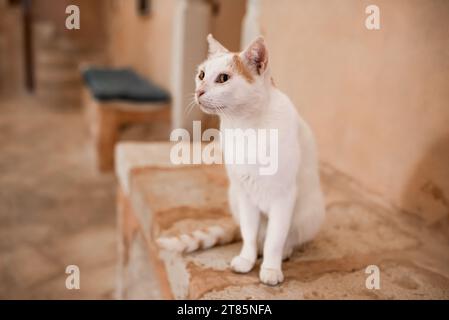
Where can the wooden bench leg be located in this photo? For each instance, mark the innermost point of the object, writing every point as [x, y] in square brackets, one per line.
[106, 135]
[105, 119]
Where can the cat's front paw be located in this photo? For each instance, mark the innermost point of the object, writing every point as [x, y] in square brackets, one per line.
[271, 276]
[241, 265]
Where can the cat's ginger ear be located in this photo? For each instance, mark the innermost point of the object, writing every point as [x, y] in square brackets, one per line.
[256, 55]
[215, 47]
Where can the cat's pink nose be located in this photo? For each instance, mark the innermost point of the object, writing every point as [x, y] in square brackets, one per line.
[199, 93]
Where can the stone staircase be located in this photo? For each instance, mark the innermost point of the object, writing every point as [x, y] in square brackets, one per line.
[57, 60]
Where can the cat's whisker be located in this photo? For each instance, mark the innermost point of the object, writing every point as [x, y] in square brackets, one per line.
[231, 116]
[191, 103]
[226, 114]
[223, 113]
[186, 109]
[190, 96]
[190, 107]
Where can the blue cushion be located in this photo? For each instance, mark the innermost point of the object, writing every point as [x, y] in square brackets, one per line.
[122, 84]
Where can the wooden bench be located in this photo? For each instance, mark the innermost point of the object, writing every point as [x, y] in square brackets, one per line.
[106, 118]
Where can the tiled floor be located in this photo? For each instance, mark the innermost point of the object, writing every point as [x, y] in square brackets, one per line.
[55, 209]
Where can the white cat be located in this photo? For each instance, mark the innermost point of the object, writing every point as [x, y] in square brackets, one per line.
[277, 212]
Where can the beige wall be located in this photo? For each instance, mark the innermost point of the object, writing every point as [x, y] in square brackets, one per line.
[92, 16]
[143, 42]
[378, 101]
[226, 25]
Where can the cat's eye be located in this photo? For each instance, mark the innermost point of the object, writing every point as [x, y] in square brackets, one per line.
[223, 77]
[201, 75]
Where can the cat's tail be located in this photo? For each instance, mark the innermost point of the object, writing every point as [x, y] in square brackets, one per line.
[201, 239]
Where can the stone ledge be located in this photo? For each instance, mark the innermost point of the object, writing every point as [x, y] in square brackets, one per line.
[134, 155]
[361, 229]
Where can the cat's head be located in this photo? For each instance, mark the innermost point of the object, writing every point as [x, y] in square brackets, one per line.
[232, 83]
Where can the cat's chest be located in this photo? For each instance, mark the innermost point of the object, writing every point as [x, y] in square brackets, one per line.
[246, 175]
[259, 188]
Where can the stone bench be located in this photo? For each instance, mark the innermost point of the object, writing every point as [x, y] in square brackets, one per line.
[157, 198]
[114, 99]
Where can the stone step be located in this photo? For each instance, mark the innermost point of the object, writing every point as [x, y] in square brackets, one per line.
[72, 92]
[56, 77]
[56, 58]
[44, 31]
[46, 38]
[158, 198]
[63, 44]
[60, 101]
[68, 91]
